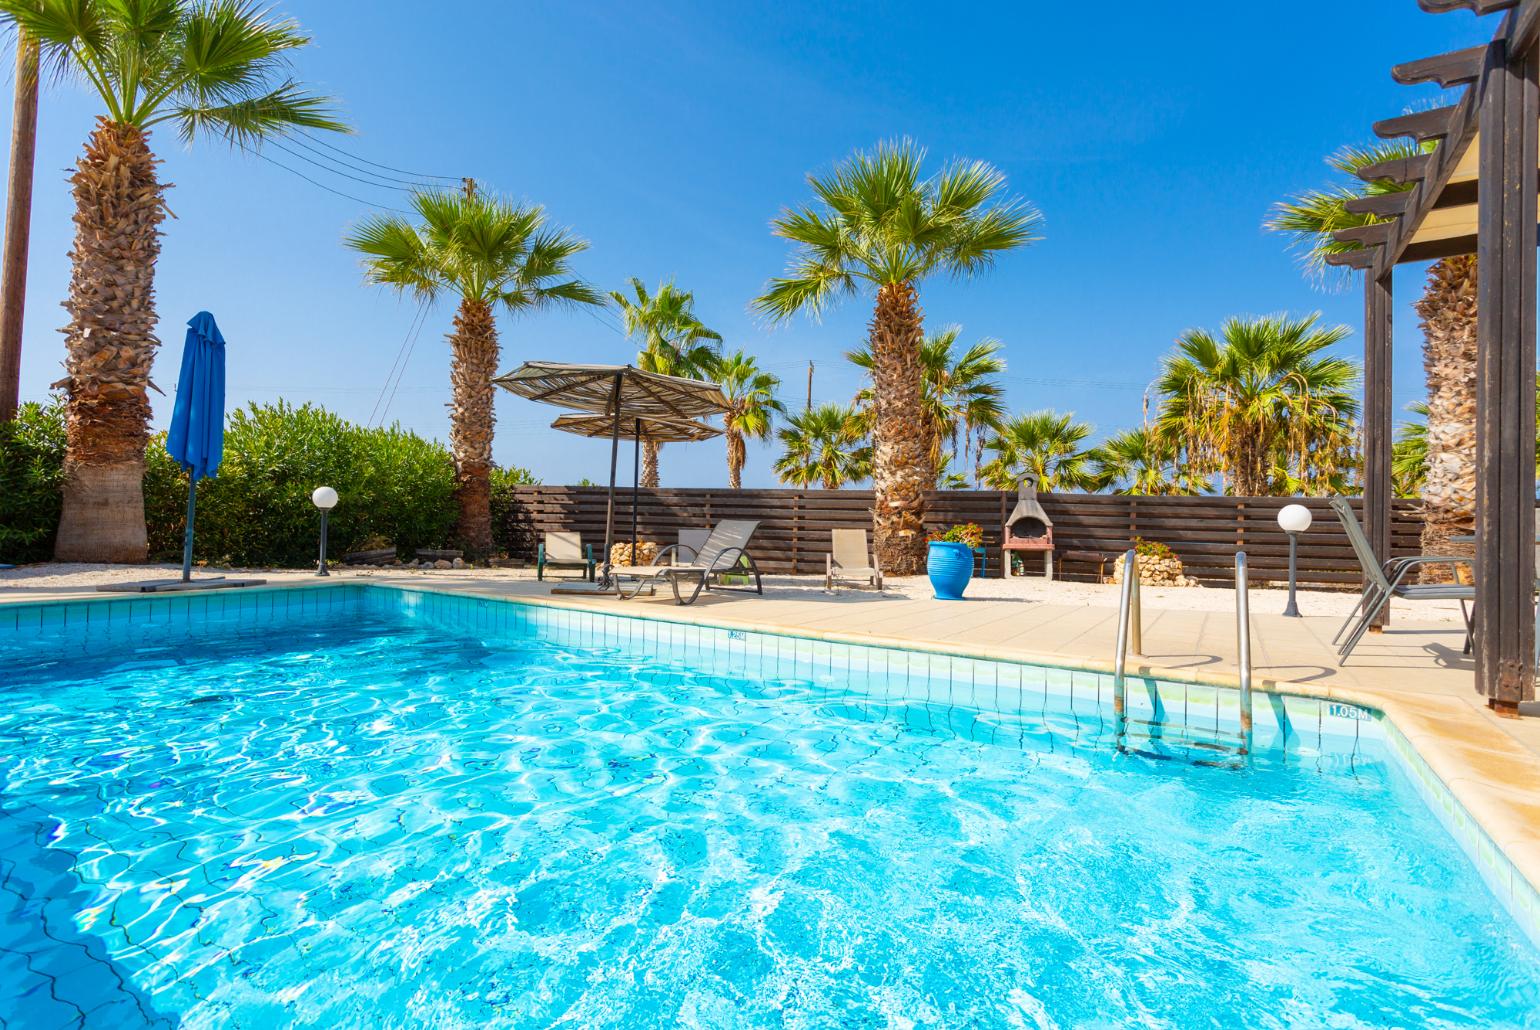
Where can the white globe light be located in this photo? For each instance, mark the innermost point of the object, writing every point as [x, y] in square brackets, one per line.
[324, 498]
[1294, 518]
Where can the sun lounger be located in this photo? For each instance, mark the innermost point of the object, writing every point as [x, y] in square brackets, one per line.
[1385, 580]
[564, 551]
[849, 561]
[724, 551]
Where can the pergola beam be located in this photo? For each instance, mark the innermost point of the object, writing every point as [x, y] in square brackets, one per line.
[1474, 6]
[1360, 258]
[1434, 123]
[1505, 379]
[1380, 205]
[1456, 68]
[1397, 169]
[1371, 235]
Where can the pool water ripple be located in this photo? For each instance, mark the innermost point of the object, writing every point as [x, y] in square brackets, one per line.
[374, 822]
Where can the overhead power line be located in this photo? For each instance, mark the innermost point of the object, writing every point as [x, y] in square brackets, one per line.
[322, 185]
[399, 171]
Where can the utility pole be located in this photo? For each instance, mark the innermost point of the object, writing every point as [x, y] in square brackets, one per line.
[810, 384]
[470, 187]
[18, 225]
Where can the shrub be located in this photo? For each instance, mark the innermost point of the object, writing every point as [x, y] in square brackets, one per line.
[392, 484]
[1152, 549]
[31, 475]
[969, 533]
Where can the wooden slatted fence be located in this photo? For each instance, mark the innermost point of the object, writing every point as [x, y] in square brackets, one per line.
[1205, 532]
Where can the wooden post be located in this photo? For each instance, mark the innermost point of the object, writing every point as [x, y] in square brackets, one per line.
[18, 226]
[1505, 376]
[1377, 416]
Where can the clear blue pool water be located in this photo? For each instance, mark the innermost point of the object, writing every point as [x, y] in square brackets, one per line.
[368, 819]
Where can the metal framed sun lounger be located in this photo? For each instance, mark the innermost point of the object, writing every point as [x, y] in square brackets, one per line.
[850, 561]
[1384, 581]
[724, 551]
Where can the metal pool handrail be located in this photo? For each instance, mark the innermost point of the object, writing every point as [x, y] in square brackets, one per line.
[1128, 617]
[1243, 646]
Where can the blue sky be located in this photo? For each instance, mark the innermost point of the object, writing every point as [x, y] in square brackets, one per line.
[670, 135]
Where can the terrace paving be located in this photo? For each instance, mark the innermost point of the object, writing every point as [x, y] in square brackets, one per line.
[1414, 672]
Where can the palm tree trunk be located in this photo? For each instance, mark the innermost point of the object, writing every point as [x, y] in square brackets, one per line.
[1448, 312]
[737, 453]
[901, 467]
[473, 352]
[18, 224]
[650, 450]
[110, 345]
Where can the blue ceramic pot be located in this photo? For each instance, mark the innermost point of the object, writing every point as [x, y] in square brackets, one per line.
[950, 567]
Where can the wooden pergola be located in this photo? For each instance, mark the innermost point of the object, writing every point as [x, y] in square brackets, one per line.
[1473, 192]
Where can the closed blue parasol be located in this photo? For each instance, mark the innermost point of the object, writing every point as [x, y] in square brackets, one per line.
[196, 439]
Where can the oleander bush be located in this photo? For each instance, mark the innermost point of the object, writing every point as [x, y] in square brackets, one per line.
[31, 474]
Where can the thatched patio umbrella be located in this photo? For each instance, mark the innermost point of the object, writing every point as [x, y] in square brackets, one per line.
[653, 430]
[621, 393]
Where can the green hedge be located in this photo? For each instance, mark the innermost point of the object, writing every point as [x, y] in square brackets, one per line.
[31, 472]
[393, 487]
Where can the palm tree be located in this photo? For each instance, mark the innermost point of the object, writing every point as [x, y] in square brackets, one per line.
[750, 394]
[878, 225]
[1261, 405]
[825, 445]
[1409, 454]
[1138, 461]
[1044, 444]
[210, 67]
[674, 343]
[1448, 313]
[489, 253]
[961, 396]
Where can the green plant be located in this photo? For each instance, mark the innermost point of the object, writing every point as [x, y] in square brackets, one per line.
[1263, 404]
[1044, 444]
[1152, 549]
[31, 477]
[826, 445]
[257, 511]
[487, 253]
[969, 533]
[879, 225]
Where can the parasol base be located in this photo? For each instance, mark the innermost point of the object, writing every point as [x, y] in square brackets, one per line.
[155, 586]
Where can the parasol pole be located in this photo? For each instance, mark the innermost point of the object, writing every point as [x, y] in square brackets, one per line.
[609, 509]
[636, 480]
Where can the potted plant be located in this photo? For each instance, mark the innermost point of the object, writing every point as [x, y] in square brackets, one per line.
[949, 559]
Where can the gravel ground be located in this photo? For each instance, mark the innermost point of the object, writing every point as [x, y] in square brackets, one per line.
[30, 579]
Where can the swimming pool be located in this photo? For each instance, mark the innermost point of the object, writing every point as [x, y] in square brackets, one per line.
[364, 806]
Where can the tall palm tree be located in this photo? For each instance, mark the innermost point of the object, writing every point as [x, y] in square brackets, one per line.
[488, 253]
[962, 399]
[879, 225]
[1138, 461]
[1447, 309]
[1261, 405]
[674, 343]
[1044, 444]
[752, 405]
[204, 67]
[826, 445]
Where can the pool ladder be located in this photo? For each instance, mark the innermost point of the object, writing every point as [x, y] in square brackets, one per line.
[1131, 635]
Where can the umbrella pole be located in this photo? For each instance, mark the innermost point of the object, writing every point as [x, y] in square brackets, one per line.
[609, 510]
[636, 481]
[187, 537]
